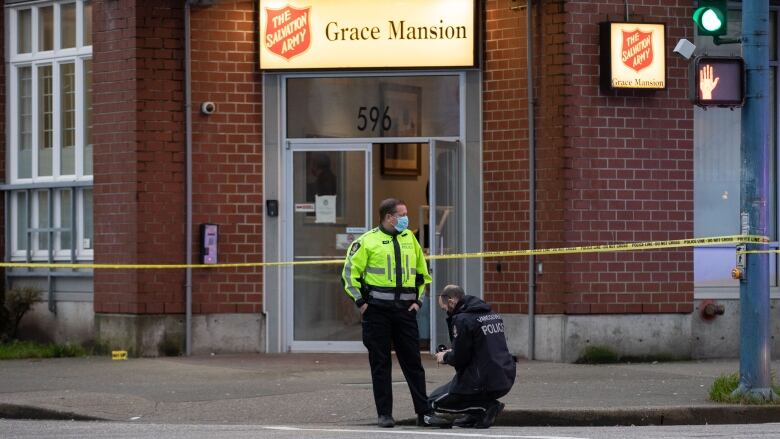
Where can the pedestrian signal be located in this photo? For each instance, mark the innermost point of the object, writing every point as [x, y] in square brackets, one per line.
[718, 81]
[711, 17]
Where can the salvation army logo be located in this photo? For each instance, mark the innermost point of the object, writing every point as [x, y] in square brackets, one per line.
[287, 31]
[637, 52]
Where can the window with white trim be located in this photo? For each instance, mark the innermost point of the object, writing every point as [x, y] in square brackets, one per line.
[49, 138]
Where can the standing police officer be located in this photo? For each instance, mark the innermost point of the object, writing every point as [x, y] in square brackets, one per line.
[484, 368]
[385, 273]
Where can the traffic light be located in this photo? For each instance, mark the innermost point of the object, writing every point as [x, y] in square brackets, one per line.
[711, 17]
[718, 81]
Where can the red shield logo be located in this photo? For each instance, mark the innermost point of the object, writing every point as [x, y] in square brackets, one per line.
[637, 52]
[287, 31]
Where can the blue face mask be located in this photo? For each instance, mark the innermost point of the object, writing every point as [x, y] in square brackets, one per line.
[402, 223]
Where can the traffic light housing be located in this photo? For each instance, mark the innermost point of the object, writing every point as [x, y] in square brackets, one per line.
[717, 81]
[711, 17]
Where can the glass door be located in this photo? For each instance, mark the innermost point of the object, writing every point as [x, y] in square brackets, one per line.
[445, 233]
[330, 191]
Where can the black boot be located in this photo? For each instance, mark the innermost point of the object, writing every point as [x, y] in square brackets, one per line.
[467, 421]
[385, 421]
[490, 415]
[433, 420]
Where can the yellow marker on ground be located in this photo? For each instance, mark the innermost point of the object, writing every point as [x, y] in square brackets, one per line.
[119, 355]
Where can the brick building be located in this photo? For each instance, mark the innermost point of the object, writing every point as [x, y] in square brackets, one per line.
[98, 145]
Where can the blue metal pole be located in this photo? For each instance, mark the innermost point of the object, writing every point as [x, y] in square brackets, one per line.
[754, 354]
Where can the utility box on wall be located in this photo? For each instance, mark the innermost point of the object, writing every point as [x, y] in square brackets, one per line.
[209, 238]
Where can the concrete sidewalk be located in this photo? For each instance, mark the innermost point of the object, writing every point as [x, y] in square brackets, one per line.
[336, 389]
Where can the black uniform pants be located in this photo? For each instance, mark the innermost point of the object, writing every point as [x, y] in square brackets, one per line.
[441, 400]
[381, 327]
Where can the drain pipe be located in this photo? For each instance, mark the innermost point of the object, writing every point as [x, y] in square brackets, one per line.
[531, 187]
[188, 183]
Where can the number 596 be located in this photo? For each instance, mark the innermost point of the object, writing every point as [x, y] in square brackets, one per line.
[370, 115]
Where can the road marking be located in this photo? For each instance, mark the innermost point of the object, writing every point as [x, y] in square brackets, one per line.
[447, 433]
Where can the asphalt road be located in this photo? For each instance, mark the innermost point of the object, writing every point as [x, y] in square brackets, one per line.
[117, 430]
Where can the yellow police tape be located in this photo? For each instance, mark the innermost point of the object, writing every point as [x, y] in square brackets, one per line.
[628, 246]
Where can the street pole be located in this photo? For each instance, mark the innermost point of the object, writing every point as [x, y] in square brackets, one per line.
[754, 353]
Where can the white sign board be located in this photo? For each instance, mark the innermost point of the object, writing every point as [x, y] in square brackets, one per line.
[633, 55]
[325, 209]
[349, 34]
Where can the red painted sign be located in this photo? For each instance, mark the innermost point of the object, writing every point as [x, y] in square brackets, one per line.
[287, 32]
[637, 51]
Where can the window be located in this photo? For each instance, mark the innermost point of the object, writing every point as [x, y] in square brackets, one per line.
[385, 106]
[50, 129]
[717, 168]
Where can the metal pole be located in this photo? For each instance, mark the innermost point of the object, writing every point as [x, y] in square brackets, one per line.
[531, 187]
[754, 353]
[188, 129]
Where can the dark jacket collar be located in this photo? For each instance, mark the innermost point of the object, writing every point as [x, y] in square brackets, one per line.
[471, 304]
[392, 232]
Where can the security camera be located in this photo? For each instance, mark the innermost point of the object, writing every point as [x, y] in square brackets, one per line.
[208, 108]
[684, 48]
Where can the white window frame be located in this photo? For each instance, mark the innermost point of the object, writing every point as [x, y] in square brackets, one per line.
[77, 55]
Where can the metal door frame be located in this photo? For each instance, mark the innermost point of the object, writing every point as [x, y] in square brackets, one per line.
[287, 214]
[433, 145]
[277, 90]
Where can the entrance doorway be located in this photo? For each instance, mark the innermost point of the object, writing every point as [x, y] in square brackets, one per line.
[350, 116]
[335, 187]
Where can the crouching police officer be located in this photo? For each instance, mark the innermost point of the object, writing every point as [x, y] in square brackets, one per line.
[484, 368]
[385, 274]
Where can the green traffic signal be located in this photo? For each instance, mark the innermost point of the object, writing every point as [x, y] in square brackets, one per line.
[708, 19]
[711, 17]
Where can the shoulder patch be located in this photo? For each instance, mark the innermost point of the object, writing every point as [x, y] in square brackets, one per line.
[355, 247]
[454, 331]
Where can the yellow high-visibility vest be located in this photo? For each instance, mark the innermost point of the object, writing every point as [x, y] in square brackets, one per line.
[371, 269]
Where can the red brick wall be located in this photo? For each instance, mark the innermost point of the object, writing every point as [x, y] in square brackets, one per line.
[505, 152]
[551, 76]
[114, 157]
[227, 153]
[505, 146]
[629, 161]
[610, 168]
[139, 154]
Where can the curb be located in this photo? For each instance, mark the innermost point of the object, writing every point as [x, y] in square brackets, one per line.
[693, 415]
[14, 411]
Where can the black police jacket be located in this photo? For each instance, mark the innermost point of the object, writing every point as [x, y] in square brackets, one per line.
[479, 352]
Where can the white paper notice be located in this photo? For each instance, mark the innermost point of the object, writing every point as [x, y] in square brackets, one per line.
[325, 206]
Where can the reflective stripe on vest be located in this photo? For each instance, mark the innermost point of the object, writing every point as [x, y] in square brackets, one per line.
[389, 268]
[390, 296]
[375, 270]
